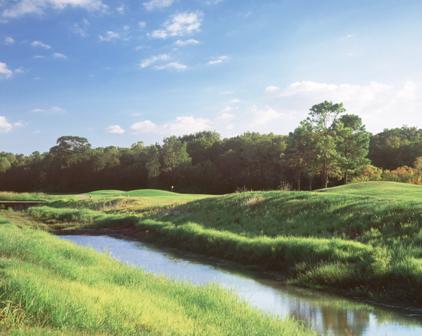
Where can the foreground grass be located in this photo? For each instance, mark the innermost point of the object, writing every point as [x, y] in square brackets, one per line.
[363, 239]
[52, 287]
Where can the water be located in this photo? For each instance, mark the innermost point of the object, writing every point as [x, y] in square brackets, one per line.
[328, 314]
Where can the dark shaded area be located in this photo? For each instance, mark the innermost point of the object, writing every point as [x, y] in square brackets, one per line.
[206, 163]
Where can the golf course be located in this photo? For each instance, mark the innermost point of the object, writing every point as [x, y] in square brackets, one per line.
[359, 240]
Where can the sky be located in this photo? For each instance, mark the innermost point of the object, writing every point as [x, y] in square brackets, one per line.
[119, 72]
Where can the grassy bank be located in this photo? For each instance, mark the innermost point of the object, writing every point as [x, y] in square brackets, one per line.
[363, 239]
[52, 287]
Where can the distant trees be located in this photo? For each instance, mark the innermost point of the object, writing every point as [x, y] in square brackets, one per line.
[329, 147]
[396, 147]
[300, 154]
[5, 164]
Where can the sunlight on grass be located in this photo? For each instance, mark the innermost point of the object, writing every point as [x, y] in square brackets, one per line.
[48, 285]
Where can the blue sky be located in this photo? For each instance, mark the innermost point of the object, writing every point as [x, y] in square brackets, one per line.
[118, 72]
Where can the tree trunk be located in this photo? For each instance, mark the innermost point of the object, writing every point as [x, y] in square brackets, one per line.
[298, 181]
[324, 178]
[324, 173]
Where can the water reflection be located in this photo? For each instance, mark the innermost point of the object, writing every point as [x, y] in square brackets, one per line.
[328, 314]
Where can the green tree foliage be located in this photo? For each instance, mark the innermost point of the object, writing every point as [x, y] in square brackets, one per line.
[152, 161]
[300, 154]
[174, 157]
[352, 144]
[329, 146]
[5, 164]
[396, 147]
[174, 154]
[323, 119]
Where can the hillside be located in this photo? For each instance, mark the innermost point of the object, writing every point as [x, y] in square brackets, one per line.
[336, 239]
[367, 212]
[382, 189]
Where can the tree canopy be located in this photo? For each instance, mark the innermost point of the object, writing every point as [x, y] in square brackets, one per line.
[329, 147]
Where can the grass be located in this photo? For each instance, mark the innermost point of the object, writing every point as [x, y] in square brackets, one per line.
[52, 287]
[380, 189]
[363, 239]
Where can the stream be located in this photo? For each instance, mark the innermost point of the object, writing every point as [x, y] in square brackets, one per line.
[326, 313]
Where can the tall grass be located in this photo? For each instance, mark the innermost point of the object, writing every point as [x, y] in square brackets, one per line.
[336, 264]
[362, 238]
[52, 287]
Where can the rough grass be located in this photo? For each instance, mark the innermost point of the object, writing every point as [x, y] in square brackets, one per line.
[52, 287]
[340, 239]
[382, 218]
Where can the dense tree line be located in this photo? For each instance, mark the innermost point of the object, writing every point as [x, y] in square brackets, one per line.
[329, 147]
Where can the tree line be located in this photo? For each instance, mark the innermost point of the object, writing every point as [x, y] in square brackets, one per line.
[329, 147]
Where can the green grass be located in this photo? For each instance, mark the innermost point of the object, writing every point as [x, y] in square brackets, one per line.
[361, 239]
[381, 189]
[145, 193]
[52, 287]
[13, 196]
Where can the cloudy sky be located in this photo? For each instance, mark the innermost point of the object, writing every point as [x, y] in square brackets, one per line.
[119, 72]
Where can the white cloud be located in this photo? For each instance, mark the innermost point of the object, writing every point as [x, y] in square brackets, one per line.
[121, 9]
[148, 62]
[157, 4]
[53, 110]
[18, 124]
[380, 105]
[187, 124]
[181, 125]
[58, 55]
[115, 129]
[162, 62]
[142, 24]
[188, 42]
[230, 120]
[39, 44]
[213, 2]
[180, 24]
[5, 71]
[7, 126]
[81, 28]
[272, 89]
[109, 36]
[235, 119]
[19, 8]
[171, 66]
[9, 40]
[263, 116]
[146, 126]
[219, 60]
